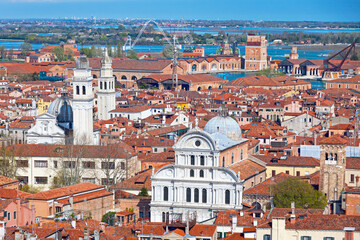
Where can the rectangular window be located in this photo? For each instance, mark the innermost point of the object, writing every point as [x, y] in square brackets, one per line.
[287, 172]
[22, 163]
[55, 164]
[58, 209]
[41, 180]
[298, 173]
[89, 165]
[23, 179]
[352, 178]
[273, 173]
[305, 238]
[41, 163]
[267, 237]
[69, 164]
[122, 165]
[329, 238]
[107, 165]
[9, 216]
[105, 181]
[92, 180]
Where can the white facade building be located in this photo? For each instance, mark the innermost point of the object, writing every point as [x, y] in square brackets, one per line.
[106, 90]
[45, 131]
[83, 102]
[197, 185]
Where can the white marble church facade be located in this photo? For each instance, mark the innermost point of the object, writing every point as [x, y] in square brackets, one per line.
[196, 185]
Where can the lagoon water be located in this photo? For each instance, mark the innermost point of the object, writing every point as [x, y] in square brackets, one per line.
[274, 52]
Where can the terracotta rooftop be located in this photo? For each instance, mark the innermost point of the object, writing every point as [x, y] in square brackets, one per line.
[336, 139]
[65, 191]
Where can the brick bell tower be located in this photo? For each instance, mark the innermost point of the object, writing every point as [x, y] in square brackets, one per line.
[332, 166]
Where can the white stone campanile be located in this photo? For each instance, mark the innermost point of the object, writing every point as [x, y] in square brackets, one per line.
[106, 88]
[83, 102]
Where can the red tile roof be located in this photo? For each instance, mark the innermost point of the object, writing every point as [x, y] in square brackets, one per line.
[65, 191]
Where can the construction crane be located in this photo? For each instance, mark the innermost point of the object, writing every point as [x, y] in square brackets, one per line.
[332, 68]
[174, 43]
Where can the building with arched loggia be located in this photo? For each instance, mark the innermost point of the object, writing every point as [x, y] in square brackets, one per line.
[200, 182]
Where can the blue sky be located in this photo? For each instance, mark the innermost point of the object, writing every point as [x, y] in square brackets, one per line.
[282, 10]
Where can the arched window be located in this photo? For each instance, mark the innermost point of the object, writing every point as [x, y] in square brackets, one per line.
[335, 156]
[134, 78]
[163, 217]
[77, 90]
[204, 195]
[193, 68]
[100, 85]
[326, 156]
[201, 173]
[123, 77]
[241, 154]
[105, 85]
[223, 163]
[227, 197]
[188, 195]
[192, 159]
[232, 157]
[84, 90]
[196, 195]
[202, 160]
[166, 194]
[192, 173]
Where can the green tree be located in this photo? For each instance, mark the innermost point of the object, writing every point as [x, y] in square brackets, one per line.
[132, 54]
[25, 48]
[59, 53]
[121, 27]
[168, 52]
[2, 52]
[8, 166]
[298, 191]
[268, 72]
[11, 53]
[109, 218]
[143, 192]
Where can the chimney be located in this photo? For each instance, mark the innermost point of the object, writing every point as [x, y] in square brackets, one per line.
[96, 235]
[103, 227]
[163, 120]
[86, 234]
[255, 222]
[233, 222]
[73, 224]
[292, 217]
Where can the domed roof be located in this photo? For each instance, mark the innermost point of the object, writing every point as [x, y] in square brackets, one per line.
[61, 105]
[225, 125]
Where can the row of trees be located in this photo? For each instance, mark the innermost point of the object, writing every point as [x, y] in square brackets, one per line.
[113, 51]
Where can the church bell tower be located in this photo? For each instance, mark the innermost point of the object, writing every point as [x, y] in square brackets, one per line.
[106, 88]
[83, 103]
